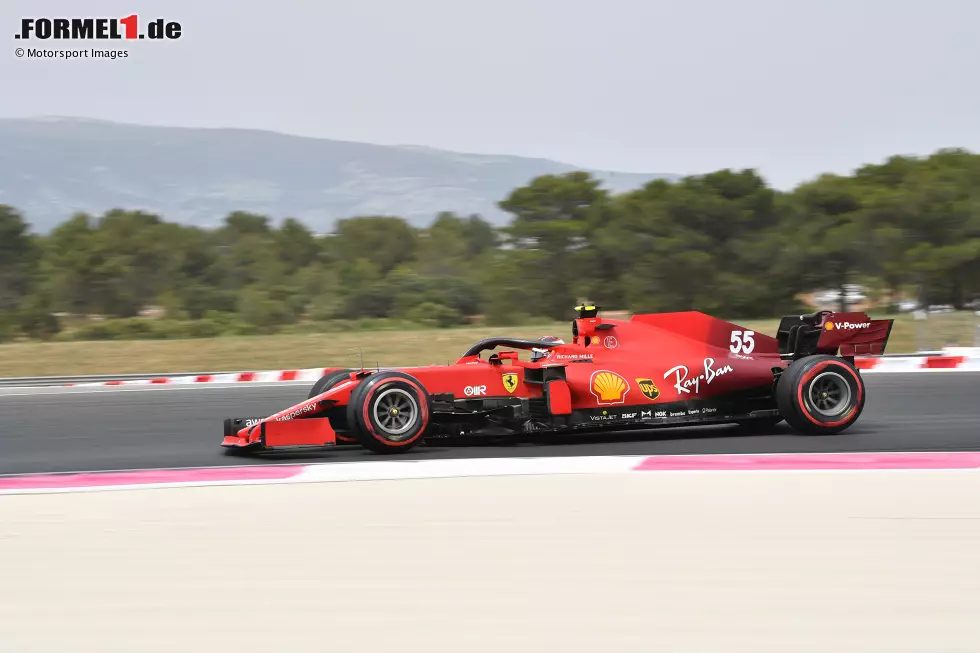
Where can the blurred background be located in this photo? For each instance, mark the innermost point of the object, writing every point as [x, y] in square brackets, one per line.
[899, 237]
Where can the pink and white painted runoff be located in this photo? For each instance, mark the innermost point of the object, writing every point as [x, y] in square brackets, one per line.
[419, 469]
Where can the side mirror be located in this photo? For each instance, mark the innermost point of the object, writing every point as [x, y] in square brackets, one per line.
[495, 359]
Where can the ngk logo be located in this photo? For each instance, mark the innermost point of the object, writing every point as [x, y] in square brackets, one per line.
[79, 29]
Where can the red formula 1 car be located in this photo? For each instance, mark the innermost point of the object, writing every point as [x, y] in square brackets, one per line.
[654, 370]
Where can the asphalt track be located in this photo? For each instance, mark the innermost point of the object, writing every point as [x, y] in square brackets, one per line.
[115, 429]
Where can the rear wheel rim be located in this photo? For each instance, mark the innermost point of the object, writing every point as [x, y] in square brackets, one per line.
[395, 413]
[830, 394]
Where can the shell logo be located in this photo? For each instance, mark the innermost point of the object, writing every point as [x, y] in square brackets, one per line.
[830, 326]
[609, 388]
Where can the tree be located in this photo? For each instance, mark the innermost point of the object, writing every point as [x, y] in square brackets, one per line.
[385, 241]
[554, 215]
[832, 238]
[18, 259]
[69, 265]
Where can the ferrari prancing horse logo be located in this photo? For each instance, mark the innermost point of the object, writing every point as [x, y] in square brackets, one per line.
[510, 382]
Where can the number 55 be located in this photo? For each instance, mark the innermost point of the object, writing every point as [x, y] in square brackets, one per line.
[742, 343]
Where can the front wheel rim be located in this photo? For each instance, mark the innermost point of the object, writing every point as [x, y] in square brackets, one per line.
[395, 413]
[830, 394]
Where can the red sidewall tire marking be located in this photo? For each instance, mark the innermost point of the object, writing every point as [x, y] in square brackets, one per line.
[809, 377]
[420, 399]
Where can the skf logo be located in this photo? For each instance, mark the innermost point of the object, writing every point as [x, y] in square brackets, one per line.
[510, 382]
[609, 388]
[83, 29]
[475, 390]
[648, 388]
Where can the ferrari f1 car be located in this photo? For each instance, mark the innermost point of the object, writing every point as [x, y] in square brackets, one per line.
[653, 370]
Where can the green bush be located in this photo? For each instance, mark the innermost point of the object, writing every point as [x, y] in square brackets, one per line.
[7, 329]
[432, 315]
[38, 324]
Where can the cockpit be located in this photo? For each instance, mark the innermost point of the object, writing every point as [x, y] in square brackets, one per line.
[585, 327]
[537, 353]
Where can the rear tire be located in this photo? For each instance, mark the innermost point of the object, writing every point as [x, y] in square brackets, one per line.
[820, 395]
[388, 412]
[337, 416]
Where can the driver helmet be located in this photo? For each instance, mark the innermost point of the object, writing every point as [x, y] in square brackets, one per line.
[537, 353]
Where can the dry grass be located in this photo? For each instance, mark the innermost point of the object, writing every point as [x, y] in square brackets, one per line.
[335, 349]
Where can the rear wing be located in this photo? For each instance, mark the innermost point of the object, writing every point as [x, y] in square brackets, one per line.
[826, 332]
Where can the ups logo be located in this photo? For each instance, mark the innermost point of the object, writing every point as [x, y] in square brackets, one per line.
[648, 388]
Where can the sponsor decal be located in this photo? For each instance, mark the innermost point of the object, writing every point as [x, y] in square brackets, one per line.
[707, 411]
[252, 422]
[648, 388]
[475, 390]
[684, 384]
[743, 342]
[595, 340]
[660, 413]
[847, 326]
[694, 412]
[646, 413]
[609, 388]
[680, 414]
[610, 342]
[605, 416]
[510, 382]
[585, 357]
[296, 413]
[601, 418]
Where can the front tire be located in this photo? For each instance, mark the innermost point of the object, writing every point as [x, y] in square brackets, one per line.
[337, 416]
[326, 382]
[820, 395]
[388, 412]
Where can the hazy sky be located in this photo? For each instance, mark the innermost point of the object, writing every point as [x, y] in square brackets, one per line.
[789, 87]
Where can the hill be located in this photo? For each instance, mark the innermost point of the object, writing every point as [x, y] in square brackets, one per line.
[53, 167]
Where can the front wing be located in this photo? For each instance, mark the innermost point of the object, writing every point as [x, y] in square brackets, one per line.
[268, 434]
